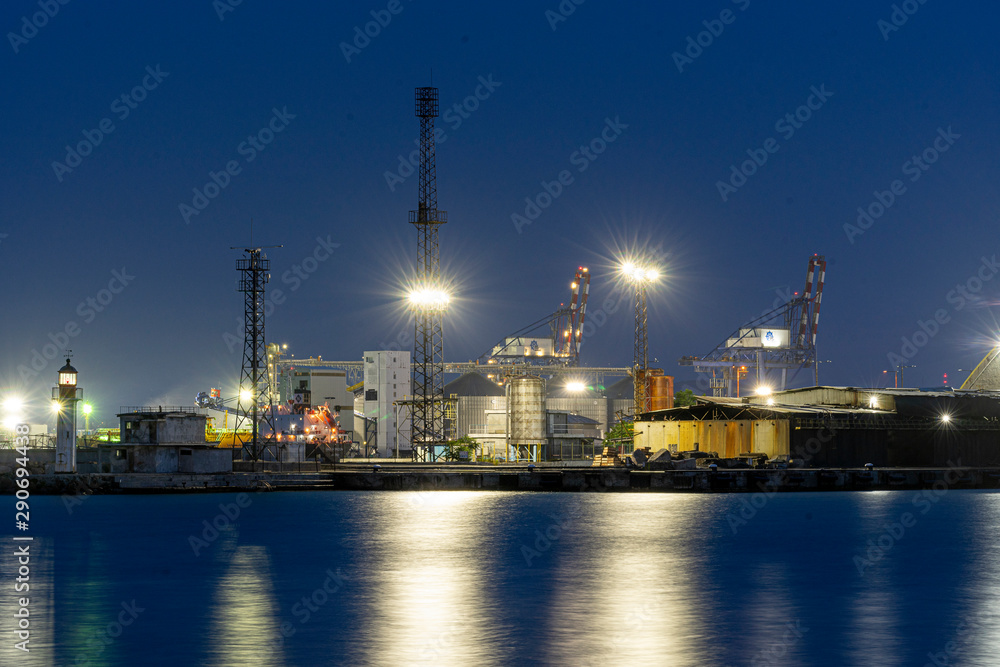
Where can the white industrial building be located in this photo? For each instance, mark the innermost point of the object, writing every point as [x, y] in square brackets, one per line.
[387, 381]
[309, 387]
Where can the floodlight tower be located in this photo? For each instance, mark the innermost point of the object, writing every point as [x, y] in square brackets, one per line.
[640, 277]
[255, 391]
[429, 300]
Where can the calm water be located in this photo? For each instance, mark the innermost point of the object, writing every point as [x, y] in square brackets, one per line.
[456, 578]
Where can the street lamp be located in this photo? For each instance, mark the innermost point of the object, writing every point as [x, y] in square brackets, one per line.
[640, 276]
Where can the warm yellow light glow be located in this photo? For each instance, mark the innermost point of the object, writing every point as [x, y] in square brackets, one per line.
[763, 390]
[873, 402]
[770, 401]
[246, 395]
[87, 408]
[575, 386]
[12, 404]
[639, 274]
[56, 406]
[429, 299]
[946, 418]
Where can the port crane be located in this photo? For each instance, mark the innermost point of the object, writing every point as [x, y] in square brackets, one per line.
[563, 340]
[774, 343]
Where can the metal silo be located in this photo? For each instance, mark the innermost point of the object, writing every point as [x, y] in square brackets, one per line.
[525, 416]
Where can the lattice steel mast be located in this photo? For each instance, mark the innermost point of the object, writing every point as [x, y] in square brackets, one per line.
[428, 350]
[640, 360]
[254, 401]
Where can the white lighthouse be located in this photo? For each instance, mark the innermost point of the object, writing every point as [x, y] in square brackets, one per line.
[64, 400]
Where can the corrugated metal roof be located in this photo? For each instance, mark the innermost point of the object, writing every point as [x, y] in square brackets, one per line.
[472, 384]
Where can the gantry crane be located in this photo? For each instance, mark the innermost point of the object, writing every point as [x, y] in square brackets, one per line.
[782, 340]
[562, 343]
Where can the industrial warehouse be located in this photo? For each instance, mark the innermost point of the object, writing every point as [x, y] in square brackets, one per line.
[836, 427]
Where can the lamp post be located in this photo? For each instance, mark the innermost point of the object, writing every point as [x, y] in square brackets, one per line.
[640, 277]
[87, 409]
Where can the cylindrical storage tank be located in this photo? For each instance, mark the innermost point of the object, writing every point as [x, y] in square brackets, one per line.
[659, 390]
[526, 398]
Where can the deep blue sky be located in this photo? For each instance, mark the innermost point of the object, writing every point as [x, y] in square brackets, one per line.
[161, 339]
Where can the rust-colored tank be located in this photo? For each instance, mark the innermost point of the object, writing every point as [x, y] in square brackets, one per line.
[659, 389]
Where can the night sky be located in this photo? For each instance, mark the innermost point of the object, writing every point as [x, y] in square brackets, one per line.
[337, 110]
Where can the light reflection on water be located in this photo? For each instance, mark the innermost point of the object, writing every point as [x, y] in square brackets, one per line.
[474, 578]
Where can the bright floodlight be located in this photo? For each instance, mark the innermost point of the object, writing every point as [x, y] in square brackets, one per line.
[946, 418]
[429, 299]
[246, 395]
[56, 406]
[763, 390]
[575, 386]
[87, 408]
[12, 404]
[639, 274]
[873, 402]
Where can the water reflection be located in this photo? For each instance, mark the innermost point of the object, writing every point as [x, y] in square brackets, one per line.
[625, 583]
[41, 602]
[429, 564]
[244, 612]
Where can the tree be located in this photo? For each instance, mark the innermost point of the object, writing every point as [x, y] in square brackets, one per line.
[621, 433]
[463, 444]
[683, 398]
